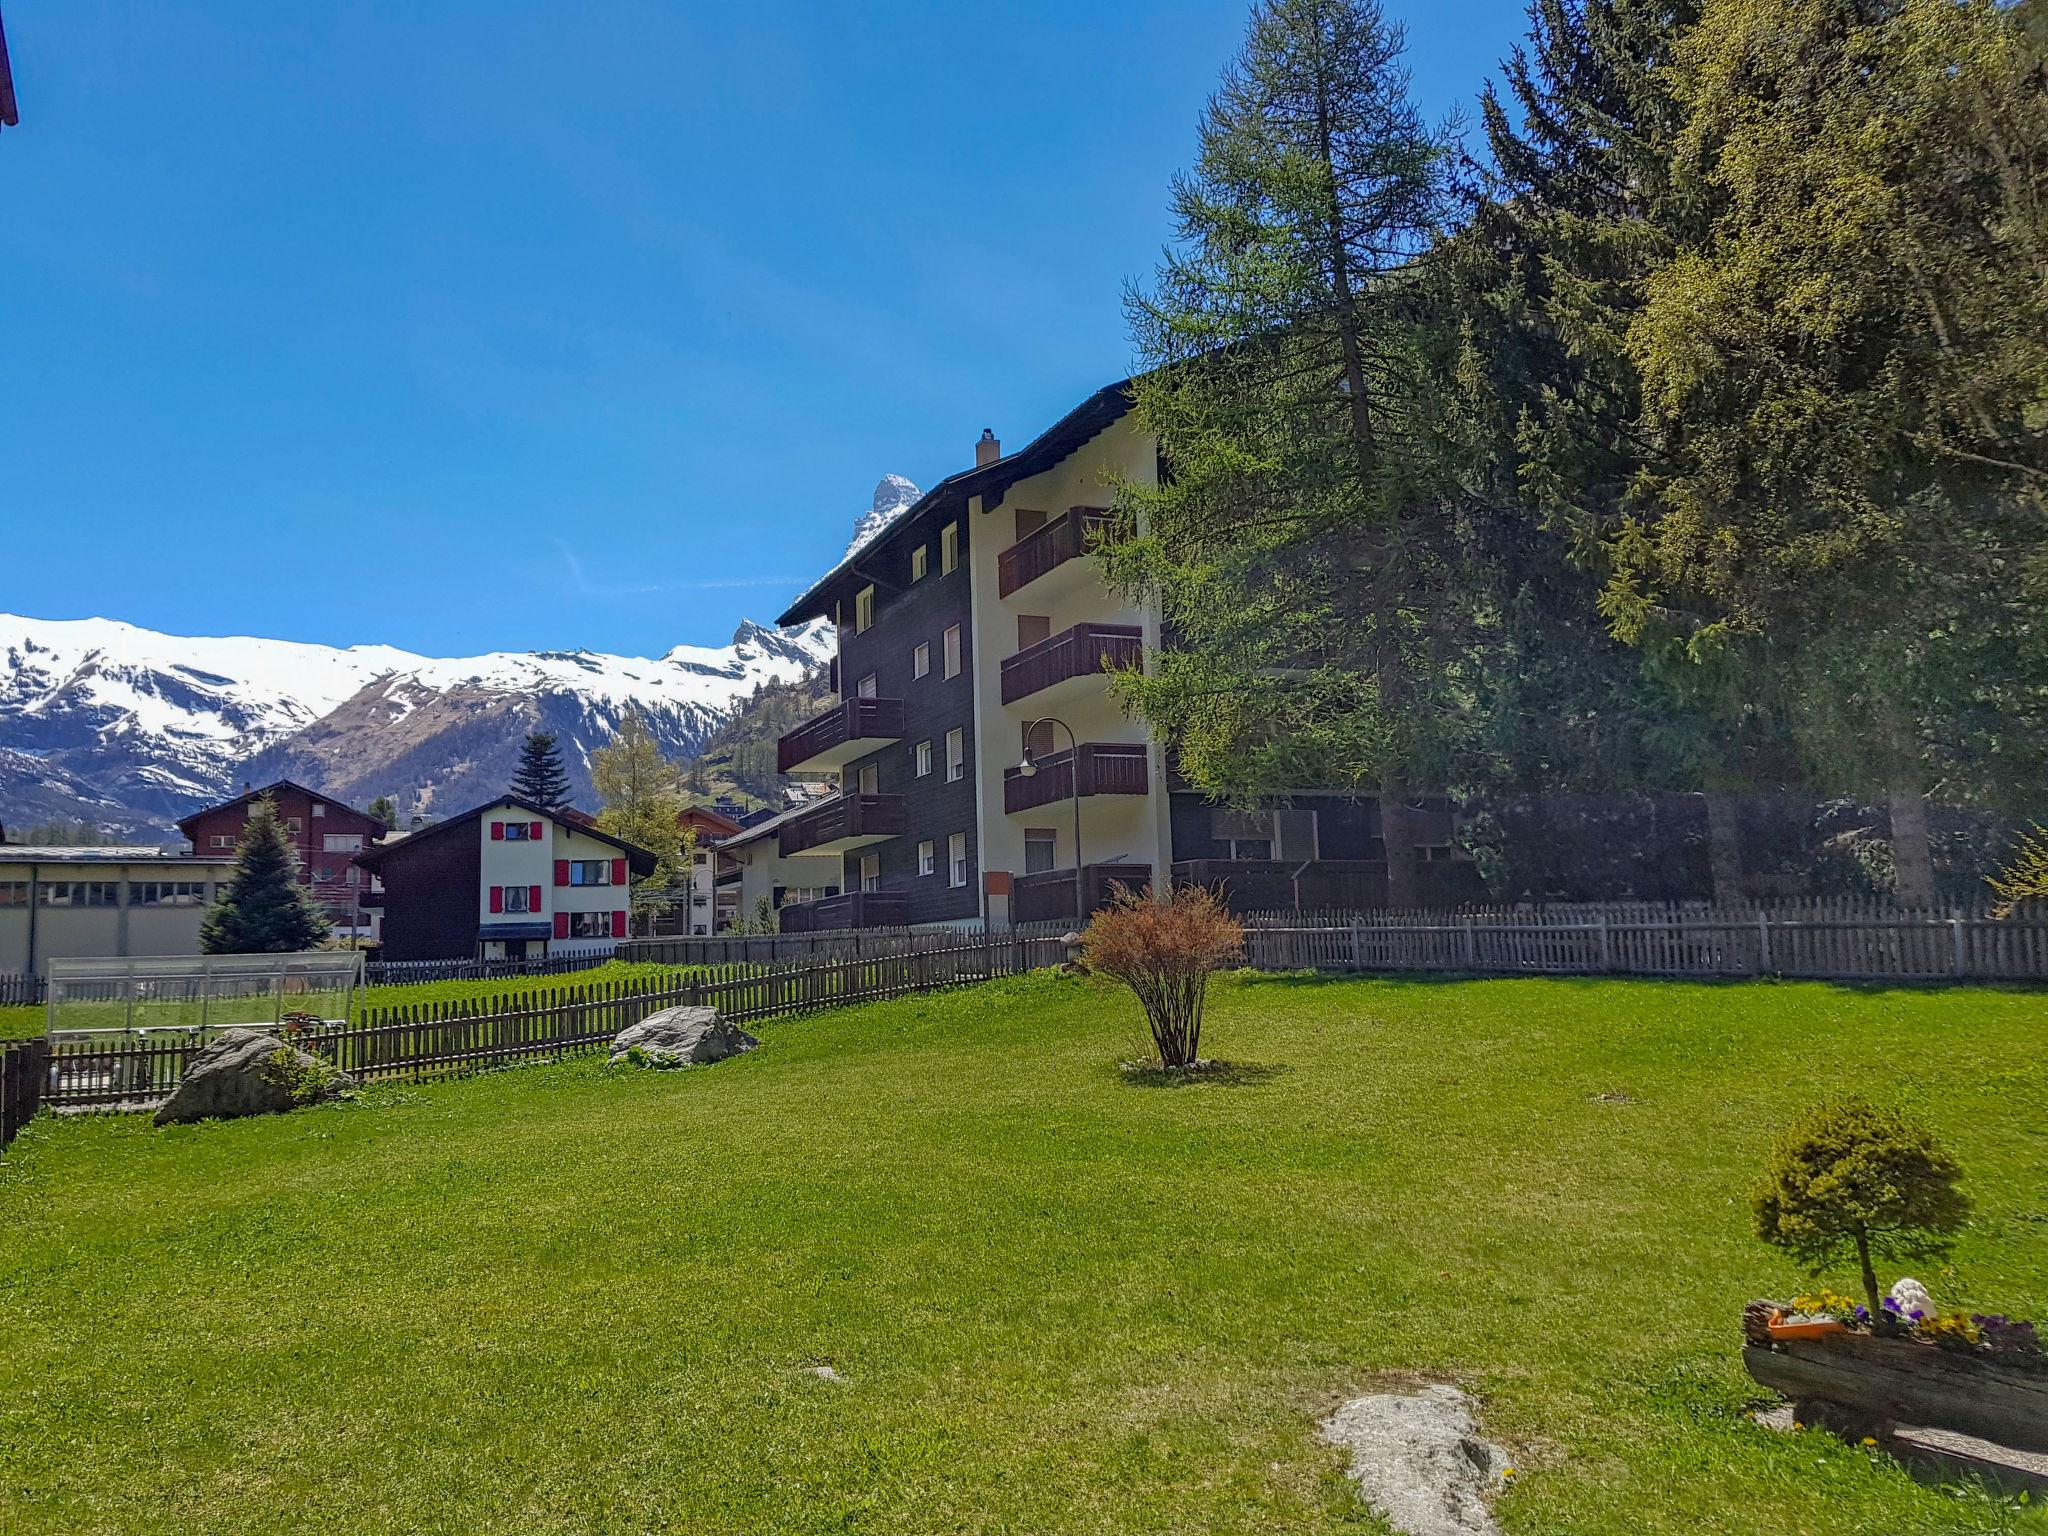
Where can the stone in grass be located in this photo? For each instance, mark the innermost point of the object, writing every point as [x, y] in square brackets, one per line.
[1418, 1459]
[680, 1037]
[249, 1072]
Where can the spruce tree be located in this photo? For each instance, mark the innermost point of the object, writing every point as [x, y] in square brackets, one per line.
[263, 909]
[1293, 548]
[385, 809]
[540, 777]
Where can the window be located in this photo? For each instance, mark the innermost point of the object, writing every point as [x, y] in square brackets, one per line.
[956, 858]
[953, 651]
[921, 659]
[863, 610]
[166, 893]
[590, 872]
[927, 858]
[590, 925]
[319, 809]
[924, 758]
[1032, 628]
[221, 840]
[867, 687]
[920, 559]
[521, 831]
[341, 842]
[869, 780]
[871, 871]
[1041, 846]
[1242, 834]
[956, 755]
[949, 547]
[293, 825]
[13, 893]
[82, 893]
[516, 898]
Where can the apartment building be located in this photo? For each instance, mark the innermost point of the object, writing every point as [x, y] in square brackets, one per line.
[984, 762]
[325, 833]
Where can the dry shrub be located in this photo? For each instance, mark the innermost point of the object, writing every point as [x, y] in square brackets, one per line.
[1164, 950]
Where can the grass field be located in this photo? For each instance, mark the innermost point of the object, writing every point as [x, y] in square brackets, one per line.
[562, 1299]
[22, 1023]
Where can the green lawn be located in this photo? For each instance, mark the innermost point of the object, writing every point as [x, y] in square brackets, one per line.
[567, 1300]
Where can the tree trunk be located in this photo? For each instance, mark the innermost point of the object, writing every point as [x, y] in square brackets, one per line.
[1724, 846]
[1404, 870]
[1912, 853]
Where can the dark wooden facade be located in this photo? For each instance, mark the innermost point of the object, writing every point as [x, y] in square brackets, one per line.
[430, 897]
[312, 822]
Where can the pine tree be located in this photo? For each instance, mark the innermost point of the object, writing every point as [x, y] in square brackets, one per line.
[638, 794]
[540, 778]
[263, 909]
[1291, 548]
[385, 809]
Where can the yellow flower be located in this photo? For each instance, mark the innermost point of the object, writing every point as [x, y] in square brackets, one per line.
[1507, 1472]
[1869, 1440]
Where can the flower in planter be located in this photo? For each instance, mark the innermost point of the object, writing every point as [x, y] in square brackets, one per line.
[1911, 1300]
[2003, 1335]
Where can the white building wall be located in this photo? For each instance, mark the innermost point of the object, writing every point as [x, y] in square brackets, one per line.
[529, 862]
[71, 932]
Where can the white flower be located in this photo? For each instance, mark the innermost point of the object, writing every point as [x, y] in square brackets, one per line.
[1910, 1296]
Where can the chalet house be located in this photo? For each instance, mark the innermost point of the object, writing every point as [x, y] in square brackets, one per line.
[505, 881]
[326, 834]
[974, 633]
[753, 868]
[706, 907]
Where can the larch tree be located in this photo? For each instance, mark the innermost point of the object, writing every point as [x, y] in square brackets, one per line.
[263, 908]
[640, 802]
[1290, 545]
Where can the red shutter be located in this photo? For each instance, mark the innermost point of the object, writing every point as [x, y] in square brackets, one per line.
[561, 871]
[561, 925]
[533, 898]
[618, 871]
[497, 831]
[618, 925]
[497, 898]
[536, 833]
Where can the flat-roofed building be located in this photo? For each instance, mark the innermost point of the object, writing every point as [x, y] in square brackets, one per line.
[101, 902]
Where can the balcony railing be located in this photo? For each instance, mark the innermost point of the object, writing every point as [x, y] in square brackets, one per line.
[1048, 896]
[848, 730]
[1086, 650]
[1107, 768]
[843, 822]
[1064, 538]
[854, 909]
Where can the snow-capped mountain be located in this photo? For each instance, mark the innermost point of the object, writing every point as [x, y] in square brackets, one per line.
[894, 496]
[128, 728]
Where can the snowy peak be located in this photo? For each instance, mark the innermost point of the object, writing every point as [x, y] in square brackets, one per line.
[894, 495]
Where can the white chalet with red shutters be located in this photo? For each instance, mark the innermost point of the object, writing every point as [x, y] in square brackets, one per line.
[505, 881]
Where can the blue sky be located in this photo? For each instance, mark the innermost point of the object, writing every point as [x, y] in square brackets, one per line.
[510, 326]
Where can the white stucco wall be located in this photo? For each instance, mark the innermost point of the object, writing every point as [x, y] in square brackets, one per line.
[531, 862]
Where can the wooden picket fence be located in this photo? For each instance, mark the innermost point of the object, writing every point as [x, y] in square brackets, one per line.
[20, 991]
[1830, 940]
[422, 1040]
[24, 1072]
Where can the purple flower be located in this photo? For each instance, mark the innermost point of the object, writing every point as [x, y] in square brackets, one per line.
[1890, 1305]
[1862, 1313]
[1915, 1315]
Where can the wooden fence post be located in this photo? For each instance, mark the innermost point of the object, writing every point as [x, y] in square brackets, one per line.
[1763, 942]
[1958, 946]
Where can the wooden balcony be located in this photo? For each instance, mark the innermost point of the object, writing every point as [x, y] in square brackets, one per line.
[1107, 768]
[855, 909]
[1048, 896]
[1086, 651]
[848, 730]
[1066, 537]
[844, 822]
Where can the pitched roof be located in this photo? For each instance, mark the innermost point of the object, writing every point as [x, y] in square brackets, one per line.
[640, 859]
[755, 831]
[270, 789]
[990, 481]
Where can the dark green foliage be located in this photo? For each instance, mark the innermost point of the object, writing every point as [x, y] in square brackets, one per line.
[1850, 1179]
[263, 909]
[385, 809]
[307, 1078]
[540, 777]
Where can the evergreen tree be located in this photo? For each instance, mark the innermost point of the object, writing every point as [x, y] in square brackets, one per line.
[1292, 548]
[640, 802]
[385, 809]
[263, 909]
[540, 777]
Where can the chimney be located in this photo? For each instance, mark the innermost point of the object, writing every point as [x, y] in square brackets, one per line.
[988, 450]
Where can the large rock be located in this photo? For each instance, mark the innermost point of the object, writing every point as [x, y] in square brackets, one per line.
[241, 1074]
[681, 1037]
[1418, 1459]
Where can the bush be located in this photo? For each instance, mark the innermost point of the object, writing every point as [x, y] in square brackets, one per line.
[1850, 1178]
[1164, 950]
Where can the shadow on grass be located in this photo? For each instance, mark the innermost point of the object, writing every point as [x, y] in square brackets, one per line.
[1207, 1074]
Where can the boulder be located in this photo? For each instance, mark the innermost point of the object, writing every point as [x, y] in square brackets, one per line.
[241, 1074]
[681, 1037]
[1418, 1459]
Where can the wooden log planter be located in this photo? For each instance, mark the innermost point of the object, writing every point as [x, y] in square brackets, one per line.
[1858, 1384]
